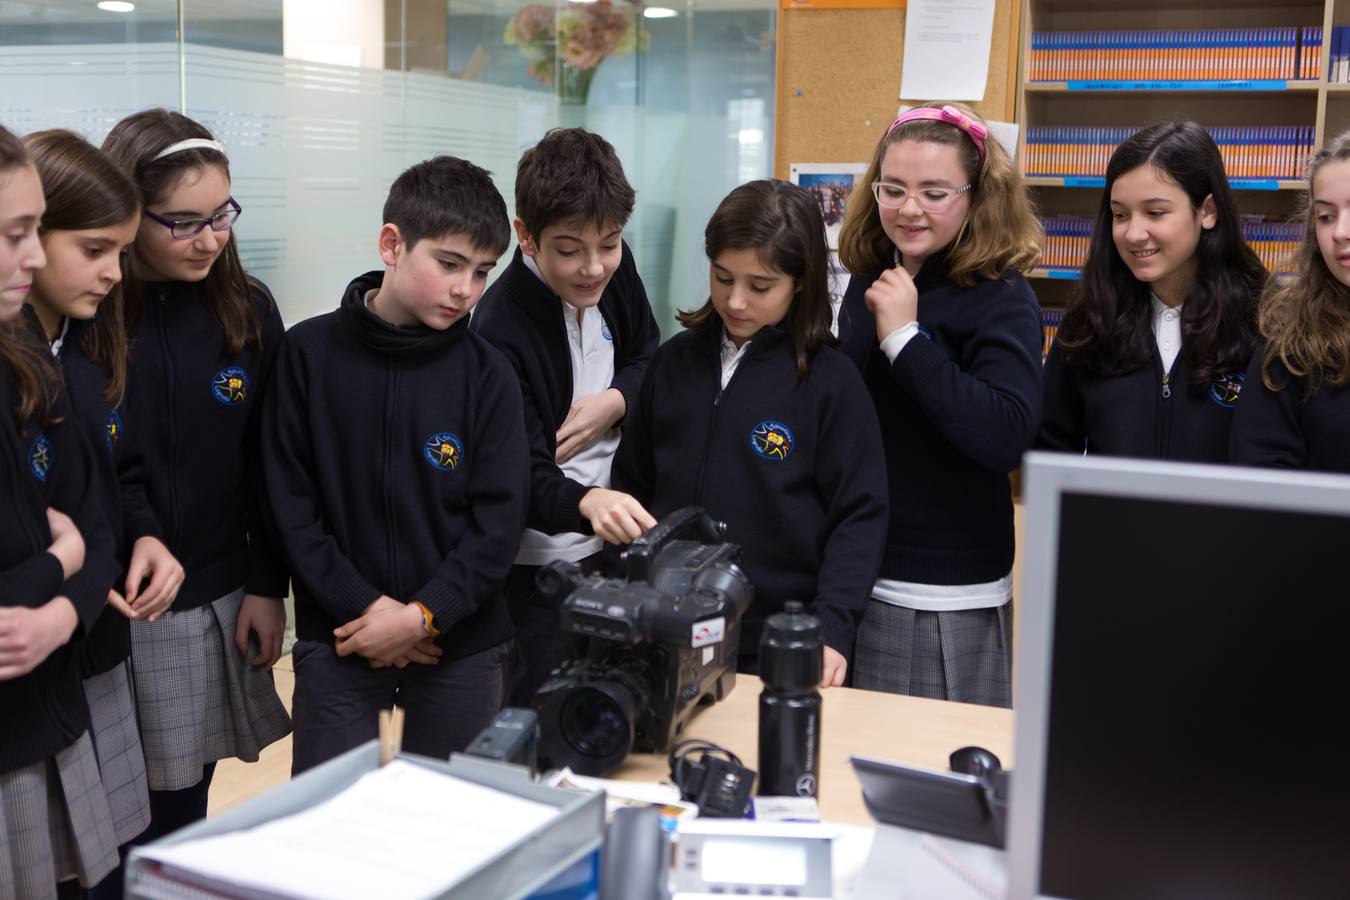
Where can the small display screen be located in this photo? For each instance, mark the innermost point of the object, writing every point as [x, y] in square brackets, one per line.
[737, 860]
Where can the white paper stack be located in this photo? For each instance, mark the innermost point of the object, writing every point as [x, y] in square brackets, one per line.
[403, 831]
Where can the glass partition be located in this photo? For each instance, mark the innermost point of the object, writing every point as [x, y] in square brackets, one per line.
[323, 102]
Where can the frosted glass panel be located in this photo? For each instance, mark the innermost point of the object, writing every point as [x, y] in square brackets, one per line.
[314, 147]
[83, 87]
[318, 124]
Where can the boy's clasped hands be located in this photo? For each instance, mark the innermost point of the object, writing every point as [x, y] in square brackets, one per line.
[388, 633]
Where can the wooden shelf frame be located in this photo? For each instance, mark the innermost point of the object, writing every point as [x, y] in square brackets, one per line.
[1182, 87]
[1034, 98]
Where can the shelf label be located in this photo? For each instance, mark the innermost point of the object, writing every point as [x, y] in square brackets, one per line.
[1248, 84]
[1063, 274]
[1091, 181]
[1253, 184]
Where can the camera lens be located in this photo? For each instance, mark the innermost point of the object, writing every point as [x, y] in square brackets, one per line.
[594, 724]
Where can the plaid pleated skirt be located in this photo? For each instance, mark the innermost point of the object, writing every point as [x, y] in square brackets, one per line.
[963, 655]
[55, 824]
[198, 700]
[117, 745]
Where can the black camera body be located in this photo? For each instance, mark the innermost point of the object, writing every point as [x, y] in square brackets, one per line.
[647, 650]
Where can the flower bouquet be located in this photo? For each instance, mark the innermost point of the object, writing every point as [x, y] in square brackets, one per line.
[572, 41]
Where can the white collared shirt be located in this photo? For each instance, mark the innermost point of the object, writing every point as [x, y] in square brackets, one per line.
[60, 341]
[592, 350]
[731, 357]
[1166, 330]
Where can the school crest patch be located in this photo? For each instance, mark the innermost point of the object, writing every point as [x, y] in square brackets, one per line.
[443, 451]
[230, 386]
[772, 440]
[40, 457]
[1226, 389]
[604, 330]
[112, 430]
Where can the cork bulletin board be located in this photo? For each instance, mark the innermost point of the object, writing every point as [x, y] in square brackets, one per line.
[839, 76]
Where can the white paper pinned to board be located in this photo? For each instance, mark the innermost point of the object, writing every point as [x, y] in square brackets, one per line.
[946, 49]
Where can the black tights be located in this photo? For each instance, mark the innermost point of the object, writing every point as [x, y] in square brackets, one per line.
[169, 811]
[172, 810]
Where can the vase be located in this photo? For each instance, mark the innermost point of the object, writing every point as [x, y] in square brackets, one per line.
[574, 84]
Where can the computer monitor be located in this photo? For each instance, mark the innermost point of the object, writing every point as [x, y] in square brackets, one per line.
[1182, 678]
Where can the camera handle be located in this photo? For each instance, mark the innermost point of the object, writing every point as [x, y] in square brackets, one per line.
[642, 553]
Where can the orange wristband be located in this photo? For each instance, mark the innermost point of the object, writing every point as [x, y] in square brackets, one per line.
[428, 620]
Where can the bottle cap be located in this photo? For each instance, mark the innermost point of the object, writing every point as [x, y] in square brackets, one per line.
[791, 654]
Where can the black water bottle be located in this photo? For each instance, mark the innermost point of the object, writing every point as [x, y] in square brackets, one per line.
[791, 660]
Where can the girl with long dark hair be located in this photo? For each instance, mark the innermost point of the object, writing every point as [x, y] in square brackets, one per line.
[752, 414]
[204, 337]
[1151, 357]
[92, 215]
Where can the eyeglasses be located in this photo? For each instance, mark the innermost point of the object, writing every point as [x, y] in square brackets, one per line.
[930, 199]
[184, 229]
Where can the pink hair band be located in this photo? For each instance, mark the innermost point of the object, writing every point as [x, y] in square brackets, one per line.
[952, 116]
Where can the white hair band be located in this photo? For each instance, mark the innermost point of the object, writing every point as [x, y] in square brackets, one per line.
[190, 144]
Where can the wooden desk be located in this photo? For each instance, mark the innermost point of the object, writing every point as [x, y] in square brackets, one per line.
[890, 726]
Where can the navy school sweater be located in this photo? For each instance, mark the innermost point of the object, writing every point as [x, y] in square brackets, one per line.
[197, 411]
[958, 408]
[104, 428]
[396, 464]
[1143, 413]
[44, 711]
[794, 467]
[523, 317]
[1288, 428]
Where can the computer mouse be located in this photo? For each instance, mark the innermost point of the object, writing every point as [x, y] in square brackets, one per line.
[974, 761]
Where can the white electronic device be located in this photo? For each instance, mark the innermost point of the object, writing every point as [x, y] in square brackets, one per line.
[718, 858]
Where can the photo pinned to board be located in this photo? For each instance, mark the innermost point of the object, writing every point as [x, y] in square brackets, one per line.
[831, 184]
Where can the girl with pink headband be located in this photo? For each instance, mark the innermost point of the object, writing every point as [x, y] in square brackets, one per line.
[947, 334]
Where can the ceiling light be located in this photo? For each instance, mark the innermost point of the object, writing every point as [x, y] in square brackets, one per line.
[118, 6]
[658, 12]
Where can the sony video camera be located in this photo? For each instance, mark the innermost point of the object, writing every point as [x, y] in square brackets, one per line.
[647, 650]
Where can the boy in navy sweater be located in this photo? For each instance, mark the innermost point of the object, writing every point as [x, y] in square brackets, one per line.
[397, 474]
[572, 316]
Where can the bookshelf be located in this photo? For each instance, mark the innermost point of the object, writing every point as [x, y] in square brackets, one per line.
[1258, 69]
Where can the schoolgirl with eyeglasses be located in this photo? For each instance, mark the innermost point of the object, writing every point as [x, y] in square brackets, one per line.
[948, 336]
[204, 337]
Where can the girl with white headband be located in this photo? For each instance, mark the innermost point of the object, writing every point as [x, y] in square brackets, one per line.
[204, 336]
[948, 336]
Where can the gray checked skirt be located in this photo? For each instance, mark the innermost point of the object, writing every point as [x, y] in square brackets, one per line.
[55, 825]
[197, 699]
[964, 655]
[117, 743]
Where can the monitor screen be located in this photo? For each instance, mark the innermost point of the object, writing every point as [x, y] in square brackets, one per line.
[1199, 654]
